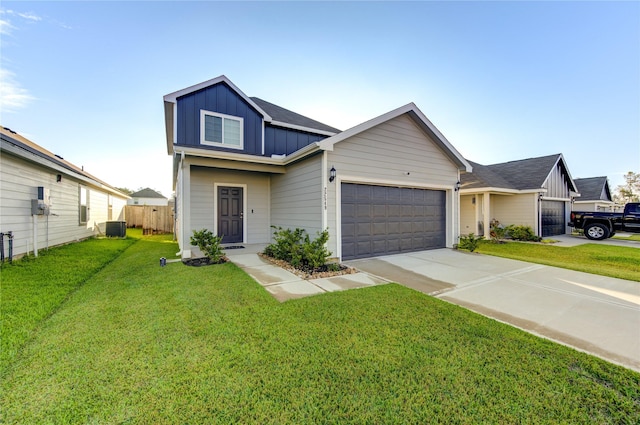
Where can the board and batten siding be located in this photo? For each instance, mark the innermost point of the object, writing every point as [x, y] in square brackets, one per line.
[520, 210]
[281, 141]
[557, 185]
[256, 210]
[18, 186]
[296, 196]
[222, 99]
[395, 153]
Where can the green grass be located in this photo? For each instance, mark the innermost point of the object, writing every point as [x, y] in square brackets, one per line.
[139, 343]
[633, 237]
[605, 260]
[33, 289]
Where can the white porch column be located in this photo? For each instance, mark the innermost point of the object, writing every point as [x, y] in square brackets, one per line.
[486, 216]
[186, 210]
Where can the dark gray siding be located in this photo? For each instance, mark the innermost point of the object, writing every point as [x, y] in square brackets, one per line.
[284, 141]
[218, 98]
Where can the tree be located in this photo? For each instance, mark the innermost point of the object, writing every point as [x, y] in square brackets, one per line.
[630, 191]
[125, 190]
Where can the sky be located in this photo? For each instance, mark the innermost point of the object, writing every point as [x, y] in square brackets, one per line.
[503, 80]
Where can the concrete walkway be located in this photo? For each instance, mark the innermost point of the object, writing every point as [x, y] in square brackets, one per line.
[284, 285]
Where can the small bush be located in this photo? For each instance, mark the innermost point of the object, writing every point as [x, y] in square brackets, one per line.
[208, 244]
[470, 242]
[297, 248]
[497, 232]
[522, 233]
[314, 252]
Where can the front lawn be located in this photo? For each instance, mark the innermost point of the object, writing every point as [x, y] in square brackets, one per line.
[139, 343]
[33, 289]
[605, 260]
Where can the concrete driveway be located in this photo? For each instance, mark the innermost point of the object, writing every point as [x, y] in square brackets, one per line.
[595, 314]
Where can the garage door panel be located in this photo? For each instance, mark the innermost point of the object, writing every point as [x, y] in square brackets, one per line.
[394, 210]
[363, 229]
[379, 211]
[391, 220]
[379, 229]
[363, 211]
[393, 246]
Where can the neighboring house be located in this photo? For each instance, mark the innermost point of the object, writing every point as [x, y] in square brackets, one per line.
[535, 192]
[242, 165]
[595, 195]
[69, 203]
[147, 197]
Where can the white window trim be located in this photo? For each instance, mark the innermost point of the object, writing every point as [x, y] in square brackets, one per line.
[203, 113]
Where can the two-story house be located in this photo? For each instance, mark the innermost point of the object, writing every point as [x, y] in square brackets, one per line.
[242, 165]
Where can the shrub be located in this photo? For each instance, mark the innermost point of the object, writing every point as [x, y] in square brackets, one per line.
[314, 252]
[469, 242]
[522, 233]
[497, 231]
[297, 248]
[208, 244]
[286, 246]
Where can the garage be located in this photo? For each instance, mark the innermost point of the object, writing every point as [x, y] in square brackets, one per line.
[382, 220]
[553, 218]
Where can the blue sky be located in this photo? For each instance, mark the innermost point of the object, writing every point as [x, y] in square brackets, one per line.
[501, 80]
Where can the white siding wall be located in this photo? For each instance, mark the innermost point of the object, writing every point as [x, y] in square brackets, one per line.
[296, 196]
[515, 209]
[18, 186]
[203, 196]
[397, 153]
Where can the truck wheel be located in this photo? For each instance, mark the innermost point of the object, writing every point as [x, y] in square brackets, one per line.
[596, 231]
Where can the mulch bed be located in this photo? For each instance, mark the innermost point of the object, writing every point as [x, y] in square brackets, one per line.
[319, 273]
[203, 261]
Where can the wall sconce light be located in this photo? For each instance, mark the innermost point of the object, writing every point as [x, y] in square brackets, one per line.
[59, 178]
[457, 188]
[332, 174]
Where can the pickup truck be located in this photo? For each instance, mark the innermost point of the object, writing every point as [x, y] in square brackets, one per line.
[603, 225]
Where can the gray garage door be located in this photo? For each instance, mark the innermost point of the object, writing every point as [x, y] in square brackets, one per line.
[380, 220]
[553, 218]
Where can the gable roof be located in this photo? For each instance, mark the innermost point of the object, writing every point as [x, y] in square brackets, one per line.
[593, 189]
[24, 148]
[483, 176]
[147, 193]
[418, 117]
[281, 115]
[523, 174]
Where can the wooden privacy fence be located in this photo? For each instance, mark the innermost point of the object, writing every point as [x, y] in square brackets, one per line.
[151, 218]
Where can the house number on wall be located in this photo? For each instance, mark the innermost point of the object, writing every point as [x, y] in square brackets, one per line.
[325, 197]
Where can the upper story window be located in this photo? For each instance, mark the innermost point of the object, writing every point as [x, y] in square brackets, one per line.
[221, 130]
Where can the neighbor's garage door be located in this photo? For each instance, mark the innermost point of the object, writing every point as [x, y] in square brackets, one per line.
[380, 220]
[553, 218]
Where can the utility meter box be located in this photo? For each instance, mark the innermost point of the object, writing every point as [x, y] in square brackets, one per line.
[40, 206]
